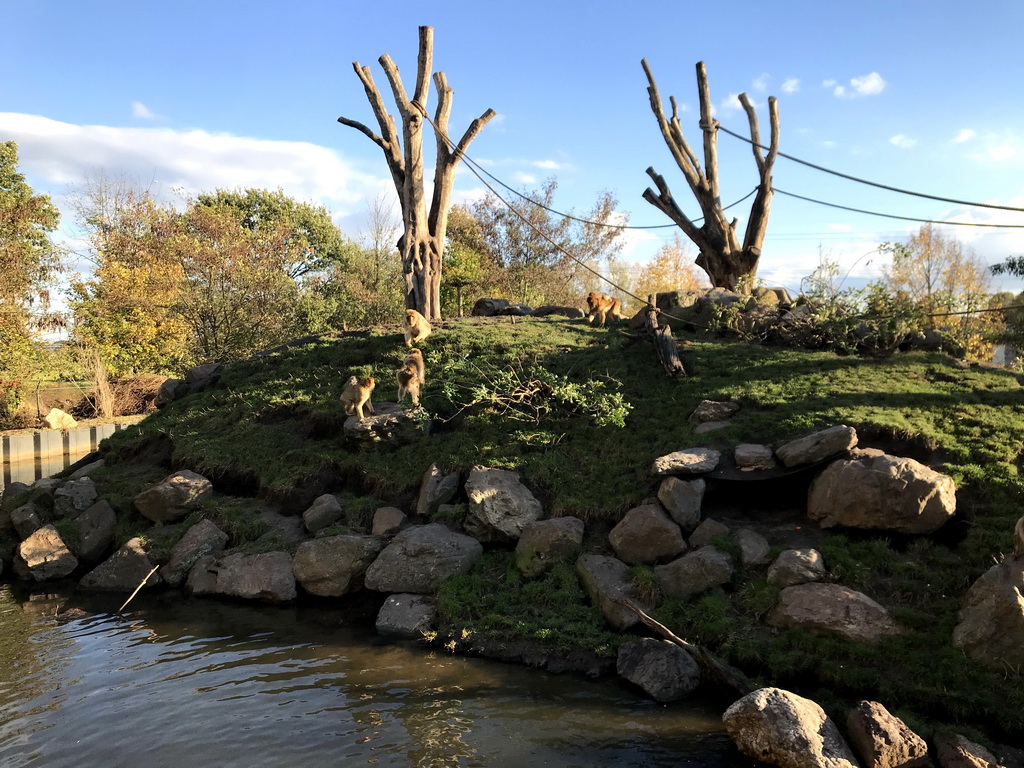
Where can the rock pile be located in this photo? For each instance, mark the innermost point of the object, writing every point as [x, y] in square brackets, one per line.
[407, 554]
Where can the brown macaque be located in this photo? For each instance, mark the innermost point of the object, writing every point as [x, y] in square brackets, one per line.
[1018, 539]
[416, 358]
[409, 383]
[603, 307]
[356, 394]
[416, 327]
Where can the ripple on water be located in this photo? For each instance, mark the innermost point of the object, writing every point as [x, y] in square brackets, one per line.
[204, 683]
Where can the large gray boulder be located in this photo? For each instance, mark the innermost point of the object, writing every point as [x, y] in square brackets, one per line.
[500, 506]
[202, 539]
[387, 520]
[25, 520]
[991, 628]
[200, 377]
[754, 547]
[12, 494]
[436, 488]
[691, 461]
[683, 499]
[750, 456]
[95, 529]
[882, 740]
[572, 313]
[835, 609]
[695, 572]
[607, 580]
[333, 566]
[488, 307]
[876, 491]
[547, 542]
[391, 427]
[419, 558]
[169, 391]
[265, 577]
[662, 669]
[707, 532]
[955, 751]
[646, 535]
[781, 728]
[817, 446]
[796, 566]
[407, 617]
[713, 410]
[123, 571]
[44, 556]
[74, 497]
[174, 497]
[324, 512]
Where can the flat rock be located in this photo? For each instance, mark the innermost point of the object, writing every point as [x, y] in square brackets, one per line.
[817, 446]
[692, 461]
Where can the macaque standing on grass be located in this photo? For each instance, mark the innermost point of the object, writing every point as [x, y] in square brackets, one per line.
[603, 307]
[416, 327]
[408, 383]
[356, 394]
[1018, 539]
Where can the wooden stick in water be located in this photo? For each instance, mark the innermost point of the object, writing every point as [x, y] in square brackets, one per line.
[138, 588]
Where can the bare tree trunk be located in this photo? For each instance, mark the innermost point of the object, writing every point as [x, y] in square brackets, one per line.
[728, 263]
[422, 242]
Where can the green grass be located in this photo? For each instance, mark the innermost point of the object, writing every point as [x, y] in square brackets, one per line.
[543, 396]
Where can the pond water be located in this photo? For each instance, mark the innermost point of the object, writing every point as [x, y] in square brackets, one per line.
[175, 681]
[29, 471]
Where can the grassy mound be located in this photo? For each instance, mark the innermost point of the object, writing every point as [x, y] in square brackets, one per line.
[581, 413]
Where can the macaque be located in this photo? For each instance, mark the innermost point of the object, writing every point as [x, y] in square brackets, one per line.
[411, 376]
[416, 327]
[416, 358]
[602, 307]
[409, 383]
[356, 394]
[1018, 539]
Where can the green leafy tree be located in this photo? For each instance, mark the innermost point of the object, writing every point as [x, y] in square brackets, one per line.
[125, 308]
[28, 261]
[224, 278]
[311, 240]
[537, 256]
[464, 260]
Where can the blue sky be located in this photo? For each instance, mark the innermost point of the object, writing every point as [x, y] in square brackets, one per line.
[926, 95]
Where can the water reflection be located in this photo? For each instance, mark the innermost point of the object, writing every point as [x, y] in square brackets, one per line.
[29, 471]
[176, 682]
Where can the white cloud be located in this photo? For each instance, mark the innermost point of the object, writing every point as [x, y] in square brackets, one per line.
[902, 141]
[840, 227]
[867, 85]
[760, 83]
[194, 160]
[1001, 153]
[791, 85]
[143, 112]
[524, 178]
[731, 103]
[547, 165]
[966, 134]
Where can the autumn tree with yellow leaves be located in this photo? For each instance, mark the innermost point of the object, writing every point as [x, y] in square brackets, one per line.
[948, 283]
